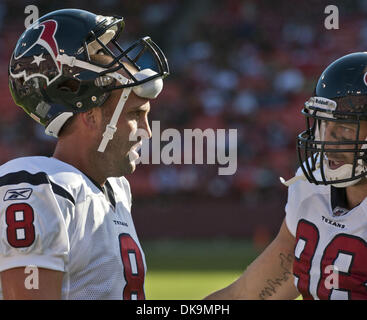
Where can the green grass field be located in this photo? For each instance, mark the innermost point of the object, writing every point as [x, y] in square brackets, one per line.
[190, 270]
[186, 285]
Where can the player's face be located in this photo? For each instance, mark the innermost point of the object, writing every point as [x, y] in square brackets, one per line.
[342, 132]
[119, 156]
[121, 150]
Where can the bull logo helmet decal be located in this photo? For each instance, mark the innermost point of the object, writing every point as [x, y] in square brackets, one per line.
[48, 42]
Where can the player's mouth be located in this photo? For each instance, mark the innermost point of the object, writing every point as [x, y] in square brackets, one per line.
[334, 164]
[133, 153]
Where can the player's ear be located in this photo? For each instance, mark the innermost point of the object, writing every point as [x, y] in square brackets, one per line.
[92, 119]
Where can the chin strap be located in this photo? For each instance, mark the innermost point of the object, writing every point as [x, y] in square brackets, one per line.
[74, 62]
[296, 178]
[292, 180]
[111, 127]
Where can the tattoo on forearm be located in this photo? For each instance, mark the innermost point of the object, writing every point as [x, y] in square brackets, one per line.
[273, 284]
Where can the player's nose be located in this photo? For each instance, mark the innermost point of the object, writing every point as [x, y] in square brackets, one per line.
[146, 127]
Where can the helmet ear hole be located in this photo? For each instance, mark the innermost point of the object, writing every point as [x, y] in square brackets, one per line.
[70, 85]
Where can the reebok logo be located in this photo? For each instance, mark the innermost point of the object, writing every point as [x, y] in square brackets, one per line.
[18, 194]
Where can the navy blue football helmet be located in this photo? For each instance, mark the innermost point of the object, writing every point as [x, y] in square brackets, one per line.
[339, 100]
[58, 50]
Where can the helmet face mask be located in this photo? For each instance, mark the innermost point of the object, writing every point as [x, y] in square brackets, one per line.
[332, 143]
[143, 47]
[58, 50]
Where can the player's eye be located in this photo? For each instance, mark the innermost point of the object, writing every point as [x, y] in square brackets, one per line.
[136, 113]
[347, 129]
[348, 132]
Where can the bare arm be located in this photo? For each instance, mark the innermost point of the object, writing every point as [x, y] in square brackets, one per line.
[269, 276]
[42, 286]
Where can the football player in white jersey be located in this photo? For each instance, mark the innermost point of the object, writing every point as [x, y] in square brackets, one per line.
[320, 251]
[67, 218]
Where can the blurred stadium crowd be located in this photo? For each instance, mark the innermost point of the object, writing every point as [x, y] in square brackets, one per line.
[248, 65]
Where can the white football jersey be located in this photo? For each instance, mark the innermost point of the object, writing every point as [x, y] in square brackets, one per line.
[331, 248]
[53, 216]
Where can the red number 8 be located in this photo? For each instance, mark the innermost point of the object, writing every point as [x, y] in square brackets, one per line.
[131, 256]
[19, 218]
[352, 281]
